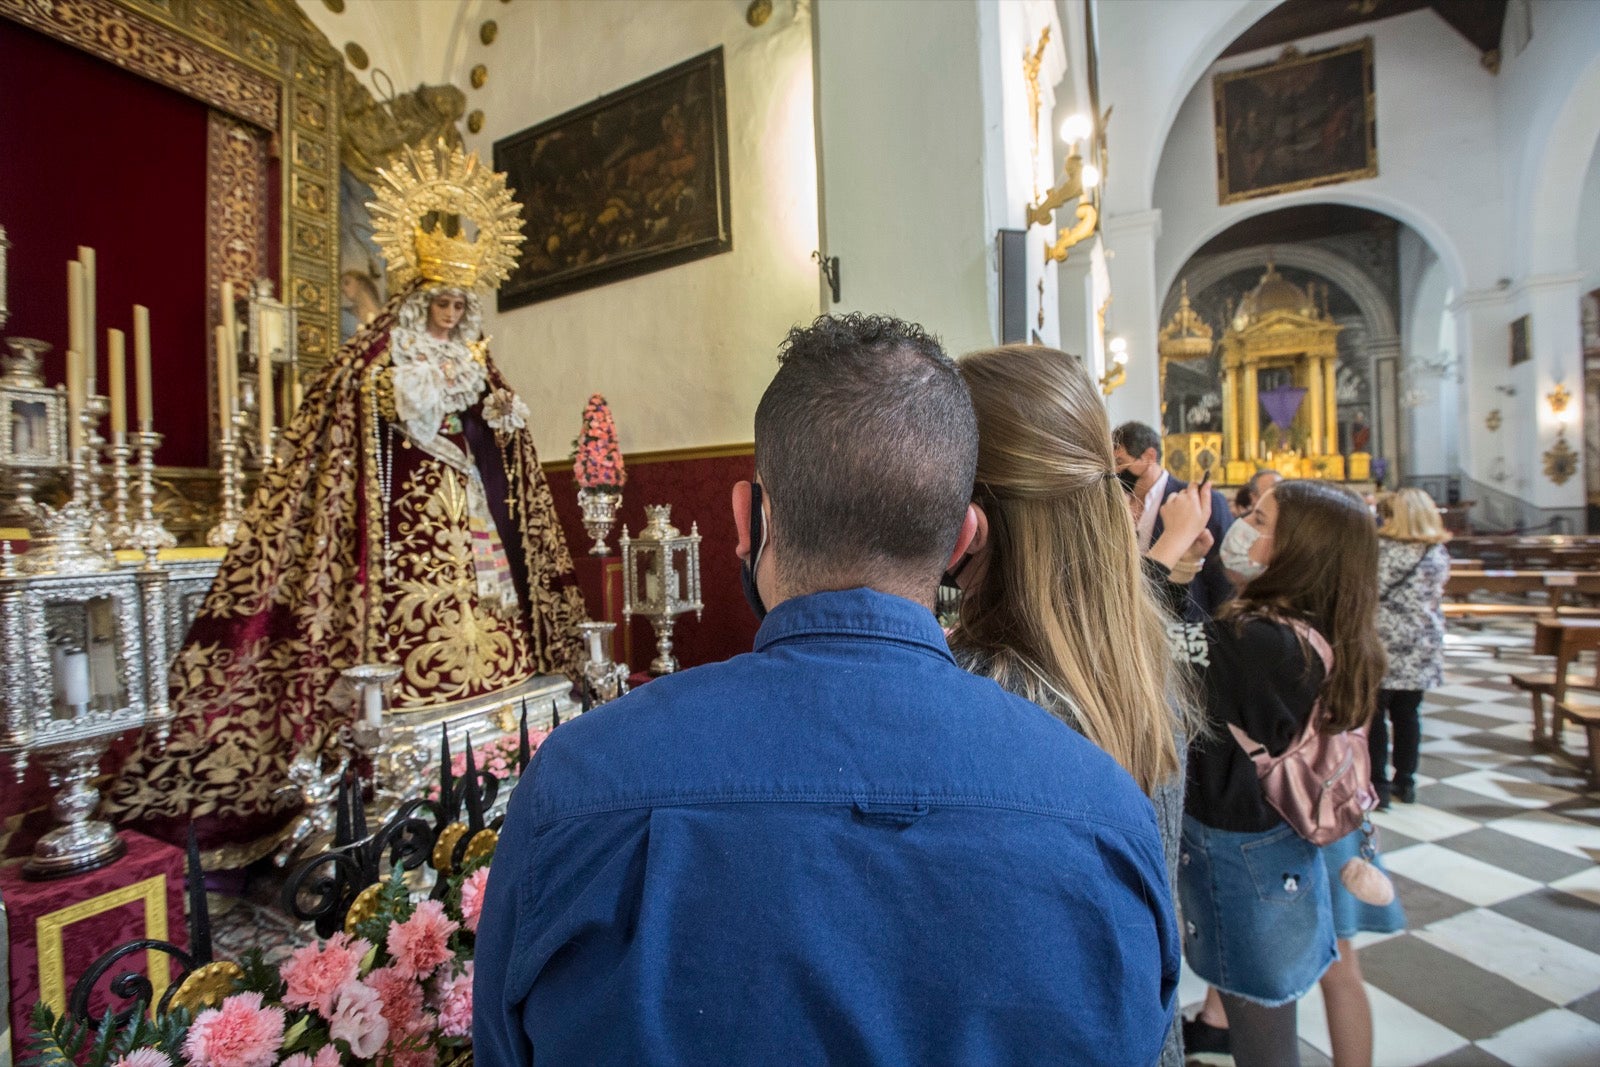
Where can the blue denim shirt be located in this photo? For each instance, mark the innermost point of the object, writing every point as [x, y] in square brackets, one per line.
[840, 848]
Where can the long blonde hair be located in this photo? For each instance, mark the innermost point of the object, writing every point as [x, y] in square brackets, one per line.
[1064, 597]
[1411, 515]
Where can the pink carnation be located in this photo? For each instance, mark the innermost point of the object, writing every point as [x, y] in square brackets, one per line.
[401, 996]
[145, 1057]
[241, 1033]
[357, 1019]
[472, 897]
[422, 942]
[426, 1056]
[327, 1056]
[455, 1004]
[315, 972]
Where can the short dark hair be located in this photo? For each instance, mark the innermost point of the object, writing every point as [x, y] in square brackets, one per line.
[866, 445]
[1135, 437]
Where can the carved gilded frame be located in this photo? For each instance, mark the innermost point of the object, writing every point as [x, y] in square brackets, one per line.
[258, 61]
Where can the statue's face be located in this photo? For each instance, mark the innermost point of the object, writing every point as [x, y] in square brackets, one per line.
[445, 311]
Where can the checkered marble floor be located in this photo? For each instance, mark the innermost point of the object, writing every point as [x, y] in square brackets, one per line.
[1498, 865]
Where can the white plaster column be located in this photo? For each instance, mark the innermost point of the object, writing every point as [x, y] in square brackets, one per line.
[1135, 307]
[1482, 318]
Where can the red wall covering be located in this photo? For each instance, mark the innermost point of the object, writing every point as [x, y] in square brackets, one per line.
[699, 491]
[93, 155]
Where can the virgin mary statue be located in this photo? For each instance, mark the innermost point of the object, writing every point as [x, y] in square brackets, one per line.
[404, 520]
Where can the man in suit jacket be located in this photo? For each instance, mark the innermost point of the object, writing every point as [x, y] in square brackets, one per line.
[1137, 448]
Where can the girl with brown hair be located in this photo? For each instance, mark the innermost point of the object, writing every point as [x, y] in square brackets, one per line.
[1259, 924]
[1055, 606]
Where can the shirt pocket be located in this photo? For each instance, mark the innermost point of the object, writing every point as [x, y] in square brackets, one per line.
[1280, 865]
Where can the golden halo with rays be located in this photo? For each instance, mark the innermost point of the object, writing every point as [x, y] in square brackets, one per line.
[439, 182]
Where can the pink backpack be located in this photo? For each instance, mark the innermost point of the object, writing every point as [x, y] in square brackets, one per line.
[1321, 784]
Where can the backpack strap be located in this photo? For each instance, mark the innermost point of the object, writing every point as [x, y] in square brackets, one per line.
[1312, 636]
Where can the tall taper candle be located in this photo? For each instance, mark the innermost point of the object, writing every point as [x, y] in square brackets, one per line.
[228, 319]
[266, 399]
[224, 384]
[117, 366]
[141, 366]
[74, 401]
[74, 306]
[86, 257]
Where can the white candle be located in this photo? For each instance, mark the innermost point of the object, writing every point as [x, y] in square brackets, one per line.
[265, 399]
[86, 257]
[224, 384]
[75, 337]
[117, 364]
[594, 646]
[74, 400]
[75, 677]
[372, 697]
[228, 319]
[650, 587]
[141, 366]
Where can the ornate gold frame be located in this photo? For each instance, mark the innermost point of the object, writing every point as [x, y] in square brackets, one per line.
[260, 61]
[1294, 59]
[51, 944]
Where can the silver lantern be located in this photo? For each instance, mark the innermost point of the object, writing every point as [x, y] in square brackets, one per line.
[661, 579]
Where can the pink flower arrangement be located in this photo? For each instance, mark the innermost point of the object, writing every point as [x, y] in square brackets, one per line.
[422, 942]
[315, 972]
[241, 1033]
[455, 1004]
[149, 1057]
[598, 462]
[472, 890]
[498, 757]
[396, 993]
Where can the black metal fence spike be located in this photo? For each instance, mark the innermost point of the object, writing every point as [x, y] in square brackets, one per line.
[555, 715]
[343, 832]
[358, 810]
[199, 912]
[474, 792]
[449, 799]
[524, 753]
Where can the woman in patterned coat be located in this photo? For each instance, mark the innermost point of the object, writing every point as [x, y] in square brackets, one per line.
[1412, 567]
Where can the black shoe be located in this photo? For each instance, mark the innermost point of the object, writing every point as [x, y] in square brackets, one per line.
[1383, 796]
[1405, 794]
[1200, 1038]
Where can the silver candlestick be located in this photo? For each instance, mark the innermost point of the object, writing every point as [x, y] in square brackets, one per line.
[227, 528]
[121, 528]
[95, 409]
[148, 533]
[70, 544]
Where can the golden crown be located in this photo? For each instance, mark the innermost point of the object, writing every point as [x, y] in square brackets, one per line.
[429, 186]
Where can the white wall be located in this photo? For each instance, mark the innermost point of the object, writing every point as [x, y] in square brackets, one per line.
[682, 354]
[1588, 229]
[414, 42]
[901, 124]
[1436, 147]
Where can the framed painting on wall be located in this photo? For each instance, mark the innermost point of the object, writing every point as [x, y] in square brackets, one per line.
[633, 182]
[1520, 352]
[1303, 121]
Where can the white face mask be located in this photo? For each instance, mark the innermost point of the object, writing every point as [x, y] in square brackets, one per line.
[1235, 550]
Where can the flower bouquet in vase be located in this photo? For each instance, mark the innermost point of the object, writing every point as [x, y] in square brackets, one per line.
[597, 466]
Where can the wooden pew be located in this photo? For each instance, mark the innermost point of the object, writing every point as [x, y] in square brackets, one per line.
[1559, 588]
[1565, 639]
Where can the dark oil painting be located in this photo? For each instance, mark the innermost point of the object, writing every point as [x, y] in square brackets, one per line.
[1304, 121]
[634, 182]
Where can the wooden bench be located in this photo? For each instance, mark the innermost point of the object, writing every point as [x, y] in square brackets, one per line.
[1565, 639]
[1586, 713]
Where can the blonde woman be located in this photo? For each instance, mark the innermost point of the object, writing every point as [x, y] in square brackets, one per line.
[1055, 606]
[1412, 567]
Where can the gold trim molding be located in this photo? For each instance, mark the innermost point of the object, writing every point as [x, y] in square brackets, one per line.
[49, 930]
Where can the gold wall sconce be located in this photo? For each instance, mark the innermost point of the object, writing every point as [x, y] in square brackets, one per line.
[1080, 179]
[1560, 460]
[1116, 375]
[1492, 420]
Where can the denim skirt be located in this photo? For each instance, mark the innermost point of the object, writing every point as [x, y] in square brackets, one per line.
[1257, 920]
[1351, 916]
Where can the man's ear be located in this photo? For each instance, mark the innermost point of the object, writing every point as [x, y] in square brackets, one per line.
[974, 534]
[741, 518]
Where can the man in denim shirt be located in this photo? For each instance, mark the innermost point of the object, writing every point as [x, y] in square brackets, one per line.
[839, 848]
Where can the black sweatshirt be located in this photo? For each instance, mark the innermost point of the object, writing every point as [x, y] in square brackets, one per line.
[1259, 679]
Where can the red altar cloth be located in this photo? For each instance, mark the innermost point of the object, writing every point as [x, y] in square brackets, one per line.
[58, 928]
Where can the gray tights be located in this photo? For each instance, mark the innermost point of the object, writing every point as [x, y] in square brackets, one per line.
[1262, 1037]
